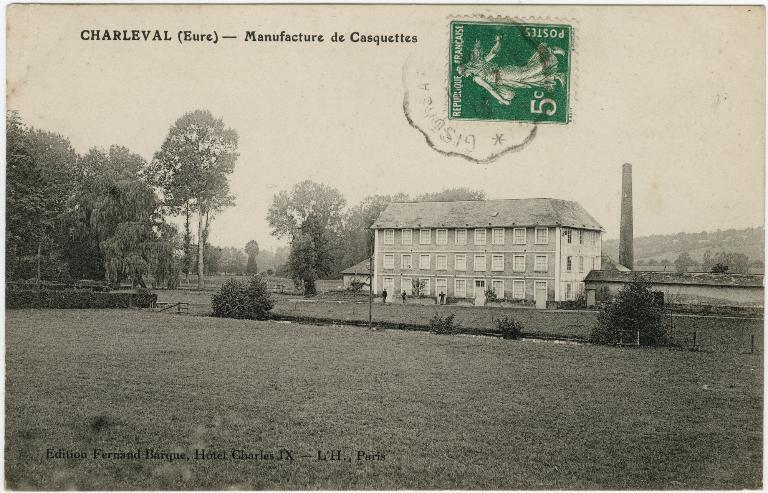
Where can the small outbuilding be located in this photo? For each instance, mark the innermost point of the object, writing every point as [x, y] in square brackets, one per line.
[699, 288]
[359, 273]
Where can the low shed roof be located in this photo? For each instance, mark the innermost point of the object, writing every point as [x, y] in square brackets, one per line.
[486, 213]
[359, 268]
[697, 278]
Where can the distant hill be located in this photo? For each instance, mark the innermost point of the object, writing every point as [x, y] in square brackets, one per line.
[748, 241]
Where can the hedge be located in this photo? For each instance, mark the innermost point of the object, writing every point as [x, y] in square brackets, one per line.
[77, 299]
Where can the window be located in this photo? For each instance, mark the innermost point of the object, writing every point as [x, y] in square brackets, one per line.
[518, 236]
[441, 237]
[518, 263]
[406, 285]
[581, 264]
[569, 263]
[580, 236]
[389, 261]
[498, 236]
[498, 288]
[518, 289]
[461, 236]
[540, 264]
[441, 286]
[441, 262]
[480, 237]
[426, 289]
[407, 237]
[460, 262]
[425, 236]
[423, 261]
[497, 262]
[460, 288]
[479, 263]
[567, 234]
[389, 236]
[542, 236]
[405, 261]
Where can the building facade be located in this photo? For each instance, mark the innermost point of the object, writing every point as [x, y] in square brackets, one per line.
[536, 250]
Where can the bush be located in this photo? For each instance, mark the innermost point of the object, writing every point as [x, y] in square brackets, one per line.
[77, 299]
[244, 300]
[509, 328]
[490, 295]
[443, 325]
[634, 309]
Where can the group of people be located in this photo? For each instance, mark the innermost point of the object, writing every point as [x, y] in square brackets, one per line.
[441, 297]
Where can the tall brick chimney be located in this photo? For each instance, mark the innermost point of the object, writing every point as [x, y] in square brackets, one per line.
[626, 249]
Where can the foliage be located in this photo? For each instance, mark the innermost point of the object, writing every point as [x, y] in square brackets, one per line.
[77, 299]
[723, 262]
[719, 268]
[417, 287]
[252, 250]
[443, 325]
[509, 328]
[683, 262]
[356, 285]
[311, 216]
[635, 308]
[490, 295]
[244, 300]
[192, 170]
[452, 195]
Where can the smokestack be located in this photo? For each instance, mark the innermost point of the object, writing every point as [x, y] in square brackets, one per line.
[626, 249]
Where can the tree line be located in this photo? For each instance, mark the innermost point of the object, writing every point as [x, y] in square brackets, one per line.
[105, 215]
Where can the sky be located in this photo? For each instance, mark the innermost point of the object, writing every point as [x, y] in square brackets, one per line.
[676, 91]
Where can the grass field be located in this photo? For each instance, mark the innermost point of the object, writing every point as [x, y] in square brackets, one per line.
[711, 333]
[447, 411]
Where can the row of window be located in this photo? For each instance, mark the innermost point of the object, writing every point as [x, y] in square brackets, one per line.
[423, 286]
[582, 237]
[479, 264]
[581, 263]
[519, 236]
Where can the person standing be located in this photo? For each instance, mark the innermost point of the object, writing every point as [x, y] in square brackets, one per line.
[442, 298]
[404, 297]
[384, 296]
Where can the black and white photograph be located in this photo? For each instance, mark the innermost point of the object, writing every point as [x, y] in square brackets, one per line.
[384, 247]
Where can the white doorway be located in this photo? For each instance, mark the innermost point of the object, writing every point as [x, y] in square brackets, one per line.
[479, 292]
[540, 294]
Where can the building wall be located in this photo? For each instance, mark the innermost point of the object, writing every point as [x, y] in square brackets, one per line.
[509, 248]
[584, 255]
[693, 294]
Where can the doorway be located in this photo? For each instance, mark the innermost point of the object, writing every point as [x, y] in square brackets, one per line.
[479, 292]
[540, 294]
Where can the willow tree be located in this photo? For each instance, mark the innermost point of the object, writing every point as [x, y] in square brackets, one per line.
[192, 170]
[121, 210]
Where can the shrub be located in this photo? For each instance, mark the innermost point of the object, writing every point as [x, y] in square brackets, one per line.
[77, 299]
[490, 295]
[356, 285]
[634, 309]
[509, 328]
[443, 325]
[244, 300]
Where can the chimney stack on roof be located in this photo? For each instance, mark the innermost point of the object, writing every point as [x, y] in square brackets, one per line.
[626, 248]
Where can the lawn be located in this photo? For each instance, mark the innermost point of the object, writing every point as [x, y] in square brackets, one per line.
[711, 333]
[446, 411]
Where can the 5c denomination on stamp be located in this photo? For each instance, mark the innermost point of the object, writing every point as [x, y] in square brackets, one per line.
[507, 71]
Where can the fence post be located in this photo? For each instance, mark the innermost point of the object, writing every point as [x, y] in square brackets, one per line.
[694, 338]
[638, 337]
[752, 343]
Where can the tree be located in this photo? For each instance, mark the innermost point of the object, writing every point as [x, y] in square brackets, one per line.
[452, 195]
[252, 250]
[119, 207]
[683, 262]
[238, 299]
[192, 169]
[312, 217]
[722, 262]
[358, 237]
[635, 310]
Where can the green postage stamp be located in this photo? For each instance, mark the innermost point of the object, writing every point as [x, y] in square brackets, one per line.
[509, 72]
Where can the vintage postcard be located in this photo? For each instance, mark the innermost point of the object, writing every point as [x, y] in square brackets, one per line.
[364, 247]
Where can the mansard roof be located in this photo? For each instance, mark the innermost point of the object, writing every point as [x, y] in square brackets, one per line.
[486, 213]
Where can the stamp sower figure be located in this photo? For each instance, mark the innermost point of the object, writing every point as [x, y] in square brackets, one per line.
[442, 298]
[404, 297]
[500, 81]
[384, 296]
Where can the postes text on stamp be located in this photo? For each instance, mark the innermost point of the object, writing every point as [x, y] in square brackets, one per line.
[509, 71]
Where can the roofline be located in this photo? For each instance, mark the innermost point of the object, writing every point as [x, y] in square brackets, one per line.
[513, 225]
